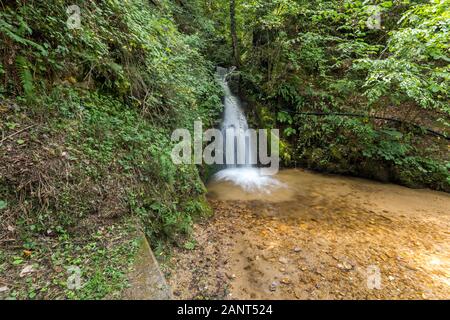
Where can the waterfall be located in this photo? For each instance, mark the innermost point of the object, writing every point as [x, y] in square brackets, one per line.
[234, 121]
[243, 173]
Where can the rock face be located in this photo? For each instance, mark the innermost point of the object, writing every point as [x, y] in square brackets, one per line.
[234, 80]
[147, 282]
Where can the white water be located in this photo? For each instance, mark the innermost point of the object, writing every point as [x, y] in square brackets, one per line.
[246, 176]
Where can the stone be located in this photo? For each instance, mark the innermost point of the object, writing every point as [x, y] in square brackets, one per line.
[26, 270]
[345, 266]
[283, 260]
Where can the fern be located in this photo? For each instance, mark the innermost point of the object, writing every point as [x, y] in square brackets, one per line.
[26, 78]
[9, 31]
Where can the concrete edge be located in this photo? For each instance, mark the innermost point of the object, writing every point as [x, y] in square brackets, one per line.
[147, 282]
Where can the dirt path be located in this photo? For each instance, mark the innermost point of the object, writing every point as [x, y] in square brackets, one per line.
[320, 237]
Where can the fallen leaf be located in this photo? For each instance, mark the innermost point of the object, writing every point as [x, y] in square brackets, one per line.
[27, 253]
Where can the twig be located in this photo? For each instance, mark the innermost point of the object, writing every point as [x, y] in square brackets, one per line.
[16, 133]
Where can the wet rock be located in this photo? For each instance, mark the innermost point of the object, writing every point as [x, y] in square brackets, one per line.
[303, 267]
[283, 260]
[231, 276]
[345, 266]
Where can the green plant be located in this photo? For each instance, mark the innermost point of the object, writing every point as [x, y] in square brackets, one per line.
[26, 77]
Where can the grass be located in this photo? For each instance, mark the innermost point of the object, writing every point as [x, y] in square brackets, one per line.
[103, 258]
[86, 117]
[75, 187]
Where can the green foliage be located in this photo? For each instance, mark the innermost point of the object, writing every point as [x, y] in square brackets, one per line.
[102, 101]
[117, 86]
[26, 77]
[190, 245]
[331, 57]
[141, 57]
[341, 145]
[417, 68]
[109, 136]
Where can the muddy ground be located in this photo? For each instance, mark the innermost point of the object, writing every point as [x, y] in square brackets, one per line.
[318, 237]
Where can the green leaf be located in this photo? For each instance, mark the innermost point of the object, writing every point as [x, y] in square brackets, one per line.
[189, 245]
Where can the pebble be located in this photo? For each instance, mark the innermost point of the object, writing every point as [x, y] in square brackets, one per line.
[345, 266]
[231, 276]
[283, 260]
[26, 270]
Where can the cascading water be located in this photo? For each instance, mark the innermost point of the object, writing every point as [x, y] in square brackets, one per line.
[245, 175]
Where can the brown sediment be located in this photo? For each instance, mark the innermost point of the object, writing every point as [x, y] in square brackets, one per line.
[320, 237]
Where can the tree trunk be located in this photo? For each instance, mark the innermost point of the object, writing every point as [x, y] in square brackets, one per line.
[234, 38]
